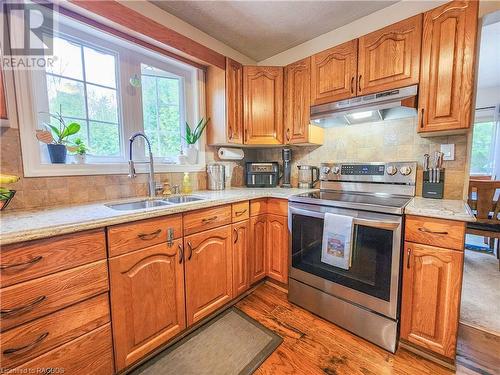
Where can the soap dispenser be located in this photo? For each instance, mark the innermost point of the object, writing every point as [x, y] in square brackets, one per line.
[187, 188]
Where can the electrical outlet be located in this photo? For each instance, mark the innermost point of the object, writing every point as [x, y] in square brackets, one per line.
[449, 151]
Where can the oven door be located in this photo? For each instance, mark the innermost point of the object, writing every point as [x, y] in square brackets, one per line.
[372, 280]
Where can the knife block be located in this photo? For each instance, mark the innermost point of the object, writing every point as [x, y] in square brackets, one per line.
[433, 189]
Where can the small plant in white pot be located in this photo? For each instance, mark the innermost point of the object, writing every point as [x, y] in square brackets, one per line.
[80, 150]
[192, 136]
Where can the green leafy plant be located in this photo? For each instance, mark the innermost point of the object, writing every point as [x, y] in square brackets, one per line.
[61, 132]
[192, 136]
[81, 148]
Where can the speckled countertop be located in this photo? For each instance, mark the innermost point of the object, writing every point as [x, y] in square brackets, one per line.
[17, 226]
[448, 209]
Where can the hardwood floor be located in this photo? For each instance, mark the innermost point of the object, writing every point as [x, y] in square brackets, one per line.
[312, 345]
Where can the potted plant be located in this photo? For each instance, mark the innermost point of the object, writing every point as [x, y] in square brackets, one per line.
[192, 136]
[6, 195]
[56, 138]
[80, 150]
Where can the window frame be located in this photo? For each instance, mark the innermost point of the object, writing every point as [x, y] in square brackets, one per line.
[130, 56]
[488, 115]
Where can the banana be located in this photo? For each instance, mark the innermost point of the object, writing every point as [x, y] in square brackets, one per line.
[8, 179]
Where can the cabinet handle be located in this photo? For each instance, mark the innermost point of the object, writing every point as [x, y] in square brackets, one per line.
[408, 258]
[149, 236]
[230, 132]
[288, 134]
[359, 82]
[190, 250]
[425, 230]
[181, 253]
[239, 213]
[246, 134]
[352, 85]
[236, 234]
[422, 118]
[25, 348]
[8, 313]
[26, 264]
[208, 219]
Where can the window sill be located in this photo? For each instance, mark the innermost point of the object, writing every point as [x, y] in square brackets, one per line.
[53, 170]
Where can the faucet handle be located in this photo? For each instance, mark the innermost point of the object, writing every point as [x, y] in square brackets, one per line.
[175, 189]
[158, 188]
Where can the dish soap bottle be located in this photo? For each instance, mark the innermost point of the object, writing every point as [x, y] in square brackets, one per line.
[187, 188]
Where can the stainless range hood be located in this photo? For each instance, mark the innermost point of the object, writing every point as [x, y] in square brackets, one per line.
[386, 105]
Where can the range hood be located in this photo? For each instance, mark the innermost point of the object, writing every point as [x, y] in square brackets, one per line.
[386, 105]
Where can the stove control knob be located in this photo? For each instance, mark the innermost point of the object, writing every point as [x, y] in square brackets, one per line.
[336, 170]
[392, 170]
[405, 170]
[325, 170]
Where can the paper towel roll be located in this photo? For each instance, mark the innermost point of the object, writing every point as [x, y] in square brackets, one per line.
[226, 153]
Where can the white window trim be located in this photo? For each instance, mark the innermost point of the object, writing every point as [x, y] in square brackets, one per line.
[28, 123]
[492, 114]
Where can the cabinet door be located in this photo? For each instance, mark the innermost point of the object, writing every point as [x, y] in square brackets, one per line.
[258, 241]
[432, 280]
[333, 73]
[277, 248]
[240, 257]
[297, 101]
[390, 58]
[263, 104]
[147, 300]
[208, 272]
[447, 67]
[234, 101]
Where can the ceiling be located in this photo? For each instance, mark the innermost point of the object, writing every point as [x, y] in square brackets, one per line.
[489, 57]
[261, 29]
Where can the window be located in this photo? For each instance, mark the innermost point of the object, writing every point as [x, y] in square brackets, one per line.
[112, 88]
[485, 144]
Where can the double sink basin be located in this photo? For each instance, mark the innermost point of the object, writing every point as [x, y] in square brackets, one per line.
[149, 203]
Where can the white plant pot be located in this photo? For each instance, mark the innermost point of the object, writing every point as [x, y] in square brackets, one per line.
[80, 159]
[192, 154]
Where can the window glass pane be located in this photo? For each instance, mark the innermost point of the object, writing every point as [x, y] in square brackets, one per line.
[99, 67]
[168, 90]
[102, 103]
[67, 59]
[65, 96]
[104, 139]
[482, 147]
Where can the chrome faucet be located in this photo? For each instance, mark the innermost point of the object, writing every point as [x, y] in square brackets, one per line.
[131, 167]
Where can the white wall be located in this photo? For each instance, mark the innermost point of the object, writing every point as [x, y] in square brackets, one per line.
[487, 97]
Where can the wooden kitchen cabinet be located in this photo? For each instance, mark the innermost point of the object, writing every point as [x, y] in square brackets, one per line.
[257, 251]
[240, 239]
[209, 270]
[234, 101]
[3, 103]
[447, 67]
[263, 105]
[147, 300]
[390, 57]
[334, 72]
[432, 280]
[277, 248]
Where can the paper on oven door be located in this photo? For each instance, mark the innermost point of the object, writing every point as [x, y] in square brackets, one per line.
[337, 240]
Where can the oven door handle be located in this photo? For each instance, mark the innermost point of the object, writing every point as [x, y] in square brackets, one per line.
[381, 224]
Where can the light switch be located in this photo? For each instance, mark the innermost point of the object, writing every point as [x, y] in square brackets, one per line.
[449, 151]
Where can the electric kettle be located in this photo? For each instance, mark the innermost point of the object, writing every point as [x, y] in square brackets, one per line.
[308, 176]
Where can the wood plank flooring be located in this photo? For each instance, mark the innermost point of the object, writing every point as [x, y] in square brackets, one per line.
[312, 345]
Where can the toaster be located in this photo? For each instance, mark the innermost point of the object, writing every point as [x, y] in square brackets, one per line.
[262, 174]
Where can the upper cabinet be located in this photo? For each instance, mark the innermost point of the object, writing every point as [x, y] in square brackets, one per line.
[333, 73]
[263, 105]
[447, 67]
[234, 101]
[390, 57]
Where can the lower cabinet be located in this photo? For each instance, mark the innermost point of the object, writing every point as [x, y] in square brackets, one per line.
[432, 280]
[147, 300]
[258, 241]
[208, 267]
[277, 248]
[240, 257]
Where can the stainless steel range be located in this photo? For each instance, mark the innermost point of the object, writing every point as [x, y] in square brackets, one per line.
[364, 296]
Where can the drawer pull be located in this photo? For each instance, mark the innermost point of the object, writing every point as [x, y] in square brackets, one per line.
[209, 219]
[22, 264]
[190, 250]
[239, 213]
[425, 230]
[149, 236]
[236, 235]
[181, 253]
[23, 349]
[8, 313]
[408, 258]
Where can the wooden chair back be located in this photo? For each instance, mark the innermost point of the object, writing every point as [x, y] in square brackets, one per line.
[483, 199]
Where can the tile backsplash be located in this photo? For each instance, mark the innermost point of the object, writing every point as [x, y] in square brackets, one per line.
[392, 140]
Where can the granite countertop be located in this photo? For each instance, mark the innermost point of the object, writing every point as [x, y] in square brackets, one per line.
[17, 226]
[448, 209]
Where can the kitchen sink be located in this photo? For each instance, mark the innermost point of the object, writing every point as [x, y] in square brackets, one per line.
[138, 205]
[182, 199]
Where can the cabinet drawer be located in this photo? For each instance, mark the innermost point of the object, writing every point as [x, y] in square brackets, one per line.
[436, 232]
[198, 221]
[124, 238]
[241, 211]
[32, 339]
[29, 260]
[32, 299]
[258, 206]
[89, 354]
[277, 206]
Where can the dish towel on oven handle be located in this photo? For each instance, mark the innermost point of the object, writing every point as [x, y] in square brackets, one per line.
[337, 240]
